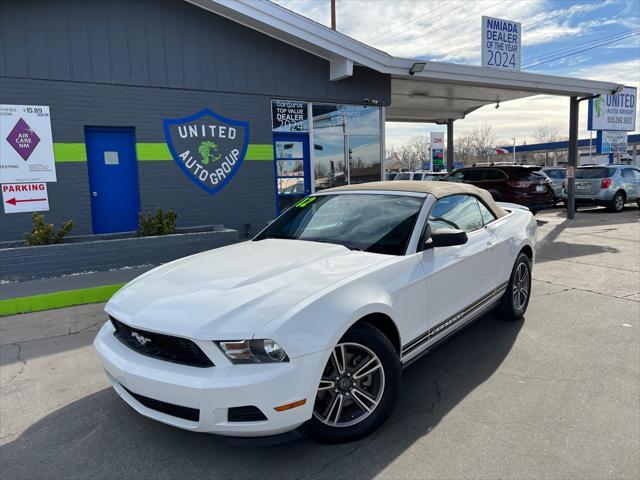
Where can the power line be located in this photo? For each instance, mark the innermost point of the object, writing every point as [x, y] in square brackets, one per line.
[579, 45]
[449, 52]
[457, 21]
[316, 11]
[387, 38]
[383, 35]
[583, 50]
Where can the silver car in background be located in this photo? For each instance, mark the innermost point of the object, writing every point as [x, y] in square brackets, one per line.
[557, 176]
[609, 186]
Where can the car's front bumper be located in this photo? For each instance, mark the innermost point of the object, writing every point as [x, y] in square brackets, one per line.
[213, 390]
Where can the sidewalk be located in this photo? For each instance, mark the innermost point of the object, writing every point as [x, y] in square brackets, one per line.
[66, 291]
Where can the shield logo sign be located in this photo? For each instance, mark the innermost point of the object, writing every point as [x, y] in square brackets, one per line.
[208, 147]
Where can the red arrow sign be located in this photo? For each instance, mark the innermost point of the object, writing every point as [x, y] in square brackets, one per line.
[13, 201]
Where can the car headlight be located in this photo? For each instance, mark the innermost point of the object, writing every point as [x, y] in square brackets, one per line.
[253, 351]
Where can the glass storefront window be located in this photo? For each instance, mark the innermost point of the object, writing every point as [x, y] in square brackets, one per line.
[328, 161]
[290, 168]
[365, 163]
[349, 119]
[289, 150]
[291, 186]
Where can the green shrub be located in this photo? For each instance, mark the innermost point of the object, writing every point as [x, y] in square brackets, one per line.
[44, 233]
[158, 223]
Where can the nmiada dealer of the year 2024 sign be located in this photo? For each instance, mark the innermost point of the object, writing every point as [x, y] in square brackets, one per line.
[207, 147]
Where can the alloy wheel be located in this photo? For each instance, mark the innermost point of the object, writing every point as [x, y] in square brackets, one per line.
[521, 287]
[619, 202]
[351, 386]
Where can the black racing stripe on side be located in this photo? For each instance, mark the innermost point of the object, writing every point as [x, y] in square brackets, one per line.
[454, 319]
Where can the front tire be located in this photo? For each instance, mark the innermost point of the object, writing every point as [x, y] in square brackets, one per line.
[359, 387]
[516, 299]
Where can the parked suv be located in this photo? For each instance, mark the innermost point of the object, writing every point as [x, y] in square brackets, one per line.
[557, 176]
[609, 186]
[521, 184]
[422, 175]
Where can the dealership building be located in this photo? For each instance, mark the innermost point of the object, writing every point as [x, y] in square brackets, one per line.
[224, 111]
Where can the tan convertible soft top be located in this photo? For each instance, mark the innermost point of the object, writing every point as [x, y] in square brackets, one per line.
[437, 189]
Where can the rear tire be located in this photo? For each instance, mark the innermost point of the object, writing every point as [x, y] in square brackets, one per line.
[617, 203]
[359, 387]
[516, 299]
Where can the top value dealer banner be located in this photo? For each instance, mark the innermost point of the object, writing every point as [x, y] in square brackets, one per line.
[26, 145]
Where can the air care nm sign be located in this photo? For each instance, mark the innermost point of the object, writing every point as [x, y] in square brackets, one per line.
[501, 45]
[26, 145]
[614, 112]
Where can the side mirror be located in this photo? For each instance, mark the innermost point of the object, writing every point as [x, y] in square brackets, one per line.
[447, 238]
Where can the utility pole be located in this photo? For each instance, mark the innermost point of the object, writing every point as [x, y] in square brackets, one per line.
[514, 150]
[333, 14]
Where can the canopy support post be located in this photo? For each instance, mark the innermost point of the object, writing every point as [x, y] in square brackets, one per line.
[573, 158]
[450, 145]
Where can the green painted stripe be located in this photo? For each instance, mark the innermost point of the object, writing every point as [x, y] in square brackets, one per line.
[49, 301]
[260, 151]
[69, 152]
[155, 152]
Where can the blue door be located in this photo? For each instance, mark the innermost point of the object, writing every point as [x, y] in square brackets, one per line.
[292, 168]
[113, 179]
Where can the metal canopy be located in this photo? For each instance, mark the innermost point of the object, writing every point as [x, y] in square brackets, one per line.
[422, 100]
[449, 91]
[442, 91]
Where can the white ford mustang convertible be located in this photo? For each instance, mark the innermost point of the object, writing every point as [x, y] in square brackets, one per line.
[312, 321]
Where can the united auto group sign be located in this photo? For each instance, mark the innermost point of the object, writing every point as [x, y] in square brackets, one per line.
[207, 147]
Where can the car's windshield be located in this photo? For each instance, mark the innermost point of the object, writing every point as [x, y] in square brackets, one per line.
[526, 174]
[403, 176]
[594, 172]
[377, 223]
[556, 173]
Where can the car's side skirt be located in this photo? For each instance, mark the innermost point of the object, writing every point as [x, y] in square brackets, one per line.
[452, 324]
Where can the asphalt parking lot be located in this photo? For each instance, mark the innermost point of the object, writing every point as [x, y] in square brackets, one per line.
[556, 396]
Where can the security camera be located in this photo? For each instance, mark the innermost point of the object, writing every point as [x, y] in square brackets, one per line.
[498, 104]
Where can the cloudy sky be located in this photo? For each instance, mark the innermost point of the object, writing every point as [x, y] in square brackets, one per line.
[590, 39]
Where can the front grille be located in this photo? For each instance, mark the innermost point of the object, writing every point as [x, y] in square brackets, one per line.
[185, 413]
[162, 347]
[245, 414]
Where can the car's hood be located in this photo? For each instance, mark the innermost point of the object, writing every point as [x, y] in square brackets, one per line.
[234, 290]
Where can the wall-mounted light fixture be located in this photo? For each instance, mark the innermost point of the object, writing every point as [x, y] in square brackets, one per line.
[417, 68]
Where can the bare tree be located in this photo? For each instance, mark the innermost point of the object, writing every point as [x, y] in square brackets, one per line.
[402, 157]
[483, 140]
[419, 146]
[545, 134]
[463, 149]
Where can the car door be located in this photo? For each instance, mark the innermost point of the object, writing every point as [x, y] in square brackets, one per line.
[456, 277]
[629, 177]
